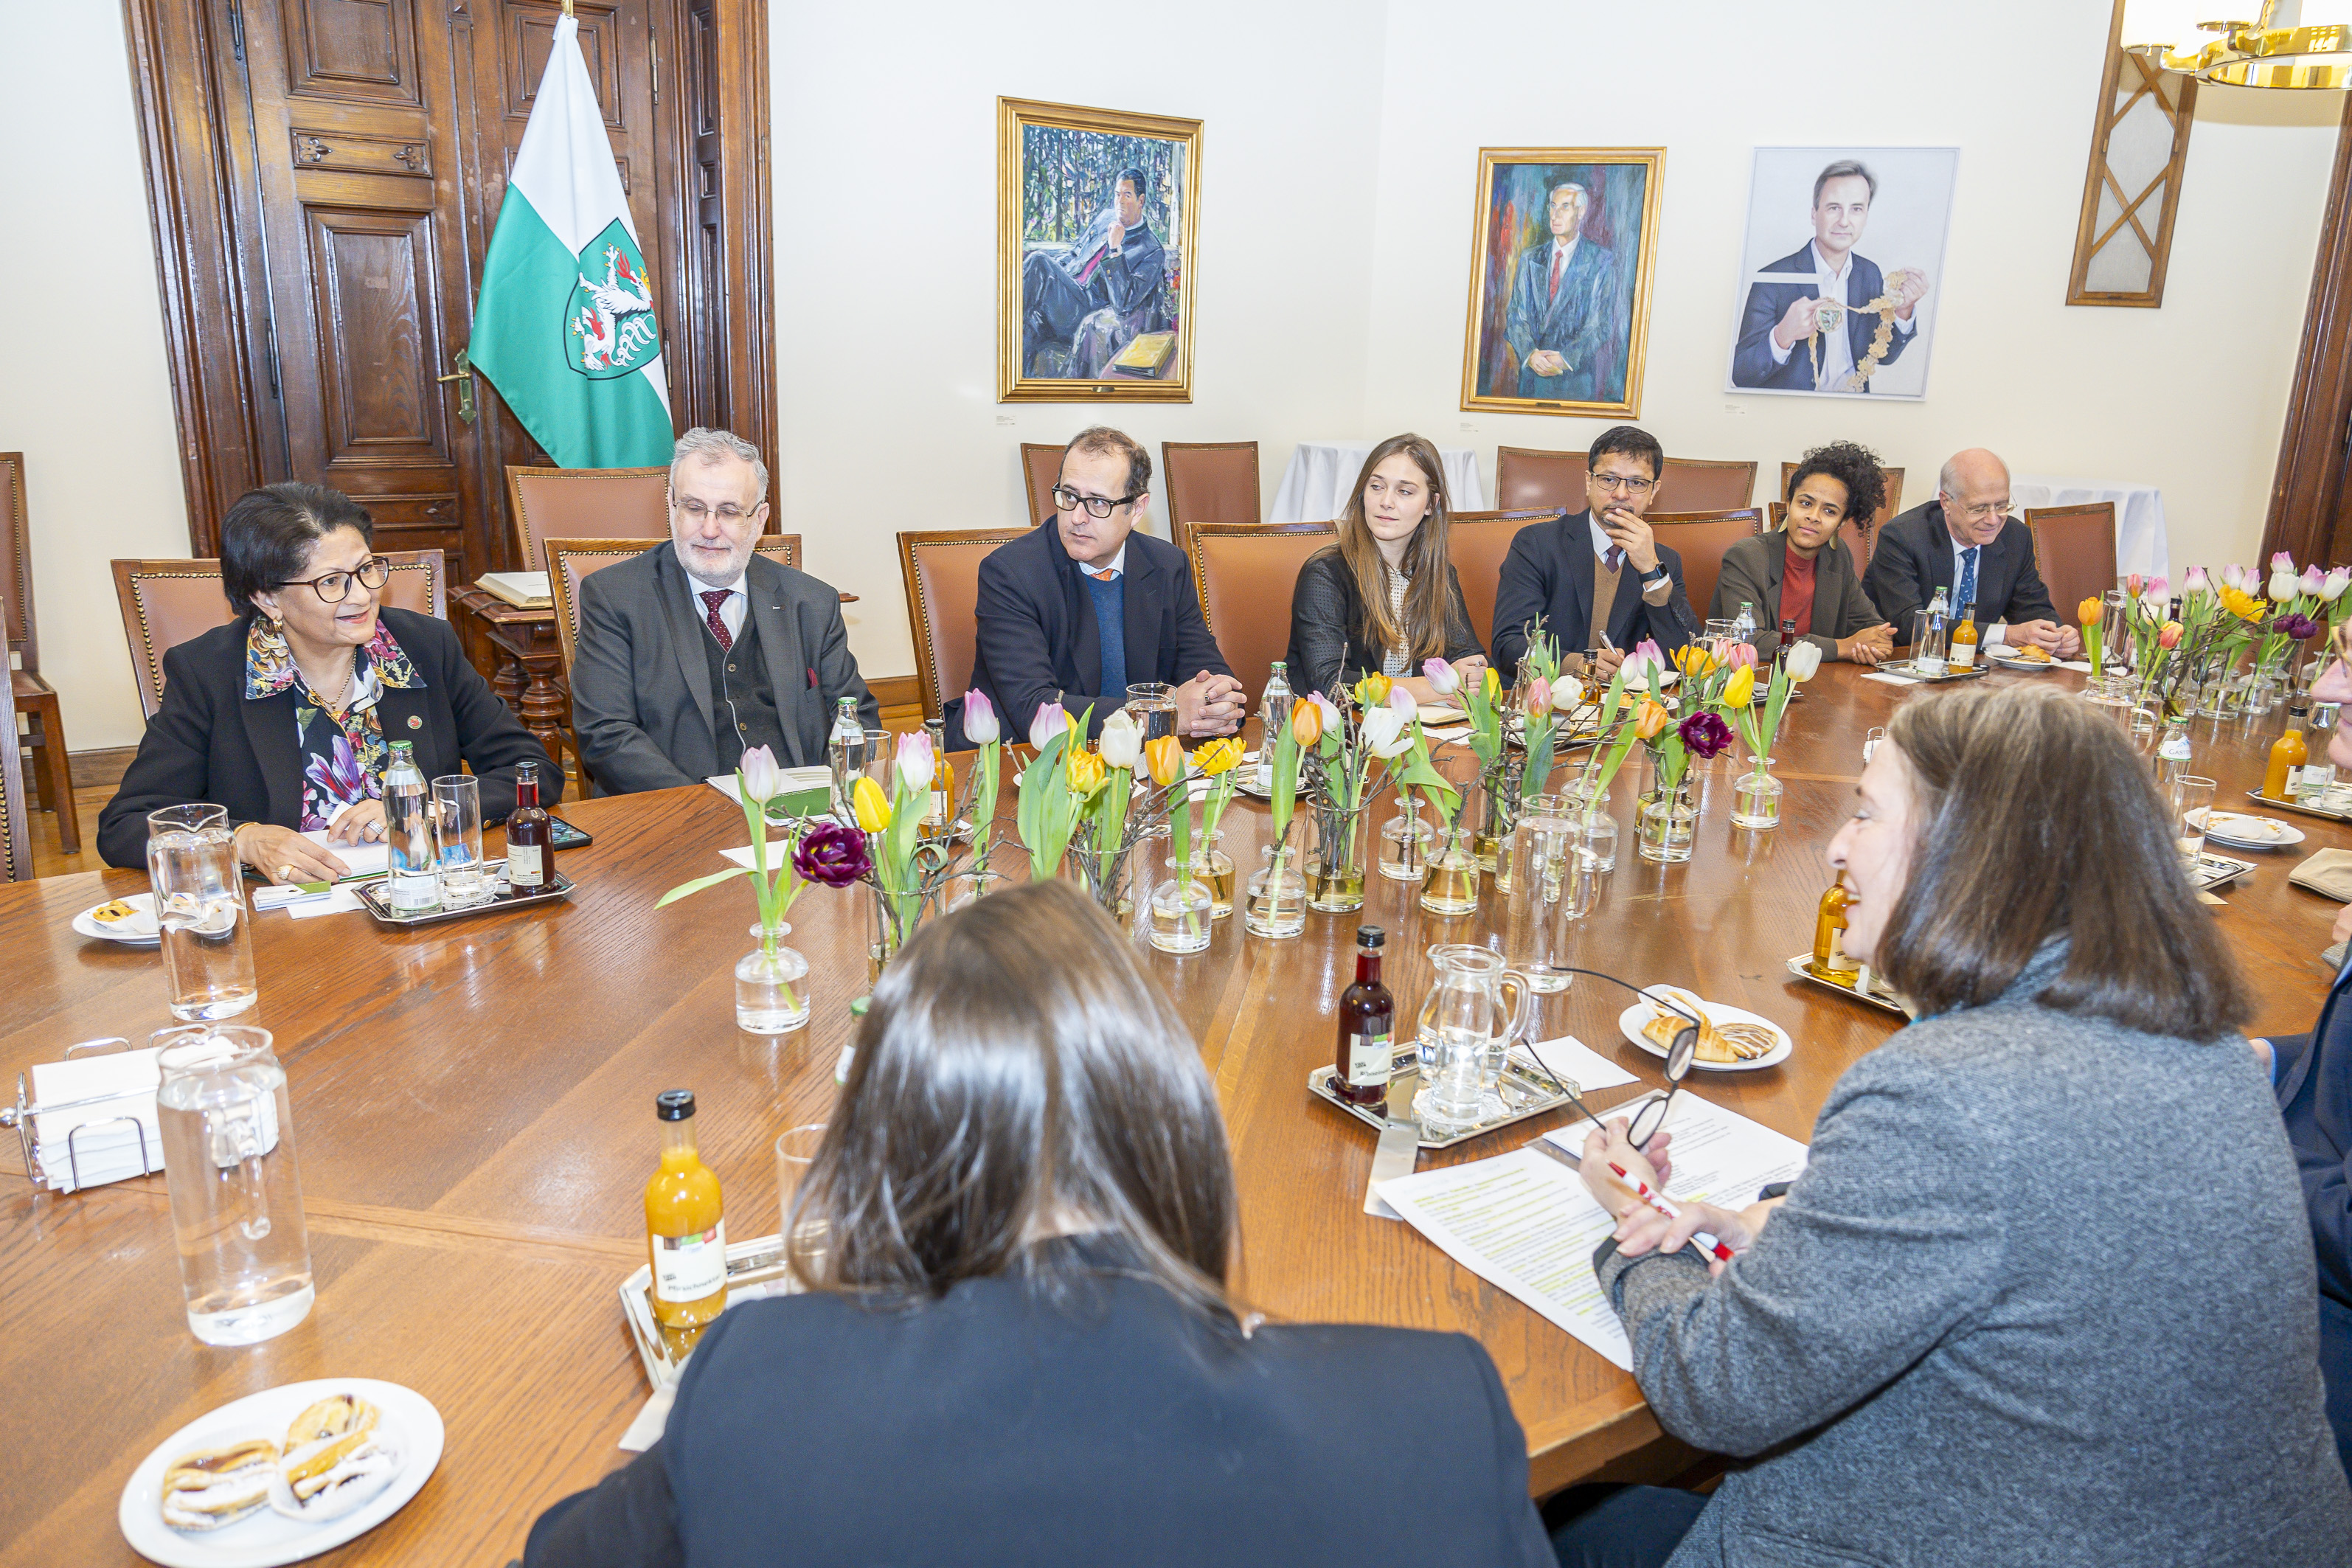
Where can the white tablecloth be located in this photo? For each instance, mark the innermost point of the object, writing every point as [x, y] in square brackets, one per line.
[1314, 485]
[2140, 544]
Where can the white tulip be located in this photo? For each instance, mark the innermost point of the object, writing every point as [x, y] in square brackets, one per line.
[1804, 661]
[2332, 586]
[1567, 693]
[2284, 587]
[1382, 728]
[1122, 740]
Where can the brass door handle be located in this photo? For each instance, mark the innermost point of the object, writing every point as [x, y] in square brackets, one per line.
[464, 377]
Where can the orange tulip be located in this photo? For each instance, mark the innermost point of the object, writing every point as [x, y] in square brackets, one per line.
[2090, 609]
[1651, 721]
[1306, 725]
[1165, 758]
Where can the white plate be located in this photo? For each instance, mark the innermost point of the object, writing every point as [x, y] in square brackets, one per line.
[2006, 662]
[138, 931]
[1631, 1020]
[2241, 830]
[410, 1426]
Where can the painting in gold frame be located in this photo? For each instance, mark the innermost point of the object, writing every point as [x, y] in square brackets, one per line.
[1561, 258]
[1094, 277]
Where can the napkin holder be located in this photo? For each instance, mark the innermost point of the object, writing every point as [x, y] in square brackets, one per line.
[22, 1116]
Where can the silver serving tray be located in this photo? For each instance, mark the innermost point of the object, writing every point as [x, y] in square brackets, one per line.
[1878, 996]
[2218, 870]
[2319, 811]
[1909, 672]
[1526, 1092]
[754, 1269]
[375, 897]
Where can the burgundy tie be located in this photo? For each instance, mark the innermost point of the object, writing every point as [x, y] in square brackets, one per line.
[1615, 558]
[1559, 265]
[715, 597]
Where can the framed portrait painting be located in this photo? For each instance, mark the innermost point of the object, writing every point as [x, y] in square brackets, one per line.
[1097, 225]
[1839, 269]
[1561, 261]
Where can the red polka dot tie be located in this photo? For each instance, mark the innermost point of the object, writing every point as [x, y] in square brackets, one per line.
[714, 598]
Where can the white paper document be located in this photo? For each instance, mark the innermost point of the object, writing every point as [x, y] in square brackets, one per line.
[1572, 1059]
[1891, 679]
[779, 849]
[1718, 1156]
[364, 859]
[796, 781]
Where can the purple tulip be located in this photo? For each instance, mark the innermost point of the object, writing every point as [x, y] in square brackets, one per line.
[2298, 627]
[1705, 733]
[832, 854]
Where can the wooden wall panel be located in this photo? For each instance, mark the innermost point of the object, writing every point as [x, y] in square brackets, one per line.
[2311, 498]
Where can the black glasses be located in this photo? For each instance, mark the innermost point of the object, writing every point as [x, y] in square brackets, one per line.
[1614, 482]
[336, 586]
[1069, 499]
[1650, 1115]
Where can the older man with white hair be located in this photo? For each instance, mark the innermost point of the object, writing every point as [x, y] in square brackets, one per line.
[701, 649]
[1965, 543]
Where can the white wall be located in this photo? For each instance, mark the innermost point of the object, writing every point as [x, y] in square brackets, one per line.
[85, 397]
[2189, 397]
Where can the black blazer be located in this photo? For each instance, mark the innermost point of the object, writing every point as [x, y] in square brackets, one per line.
[1752, 570]
[993, 1428]
[1751, 357]
[208, 744]
[1327, 646]
[2313, 1082]
[1548, 573]
[1037, 641]
[1914, 558]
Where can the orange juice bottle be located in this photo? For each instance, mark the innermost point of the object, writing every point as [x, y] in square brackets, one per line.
[1831, 960]
[686, 1235]
[2288, 753]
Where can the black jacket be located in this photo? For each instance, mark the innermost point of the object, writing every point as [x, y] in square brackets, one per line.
[1037, 641]
[1548, 573]
[2314, 1084]
[1751, 574]
[208, 744]
[1914, 558]
[993, 1428]
[1327, 646]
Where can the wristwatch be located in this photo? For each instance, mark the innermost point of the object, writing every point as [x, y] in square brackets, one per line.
[1653, 573]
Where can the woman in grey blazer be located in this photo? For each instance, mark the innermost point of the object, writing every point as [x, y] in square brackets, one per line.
[2043, 1295]
[1802, 571]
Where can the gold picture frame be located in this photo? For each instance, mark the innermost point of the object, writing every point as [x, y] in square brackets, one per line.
[1587, 331]
[1079, 319]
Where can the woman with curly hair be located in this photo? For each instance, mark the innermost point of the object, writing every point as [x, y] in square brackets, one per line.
[1801, 573]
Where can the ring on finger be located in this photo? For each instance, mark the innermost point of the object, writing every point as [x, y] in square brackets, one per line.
[284, 873]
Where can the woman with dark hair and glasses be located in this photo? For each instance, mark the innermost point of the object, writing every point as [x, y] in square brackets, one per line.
[1385, 599]
[1801, 571]
[1017, 1340]
[2042, 1294]
[285, 716]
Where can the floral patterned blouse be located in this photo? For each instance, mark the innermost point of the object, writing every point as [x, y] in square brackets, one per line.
[343, 753]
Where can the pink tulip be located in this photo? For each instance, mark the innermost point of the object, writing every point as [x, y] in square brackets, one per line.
[1401, 700]
[1440, 677]
[2196, 582]
[763, 779]
[916, 762]
[1648, 648]
[1334, 722]
[1051, 720]
[1741, 653]
[1539, 695]
[2169, 637]
[980, 726]
[2282, 562]
[2132, 584]
[2312, 580]
[2159, 587]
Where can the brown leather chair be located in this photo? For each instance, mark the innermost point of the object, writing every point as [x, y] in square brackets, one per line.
[1208, 481]
[2075, 551]
[16, 836]
[1243, 573]
[1700, 538]
[1041, 471]
[584, 504]
[1476, 543]
[1530, 478]
[34, 697]
[165, 602]
[1699, 484]
[941, 570]
[1862, 536]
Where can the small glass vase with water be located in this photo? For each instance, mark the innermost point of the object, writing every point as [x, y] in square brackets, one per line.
[236, 1189]
[200, 905]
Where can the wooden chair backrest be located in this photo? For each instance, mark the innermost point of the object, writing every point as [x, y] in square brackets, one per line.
[1041, 470]
[941, 568]
[584, 504]
[1530, 476]
[16, 625]
[165, 602]
[2075, 551]
[1245, 574]
[1476, 541]
[571, 561]
[1208, 481]
[1700, 538]
[1701, 484]
[16, 836]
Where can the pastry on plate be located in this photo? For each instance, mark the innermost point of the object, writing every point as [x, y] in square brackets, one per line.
[335, 1460]
[114, 910]
[2029, 655]
[213, 1487]
[1716, 1043]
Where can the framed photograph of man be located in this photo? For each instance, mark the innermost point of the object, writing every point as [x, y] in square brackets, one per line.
[1560, 263]
[1098, 215]
[1839, 270]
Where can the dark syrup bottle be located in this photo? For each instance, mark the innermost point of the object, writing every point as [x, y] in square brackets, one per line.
[527, 834]
[1366, 1028]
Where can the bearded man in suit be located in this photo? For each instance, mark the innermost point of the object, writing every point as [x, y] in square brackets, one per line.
[1827, 280]
[1563, 314]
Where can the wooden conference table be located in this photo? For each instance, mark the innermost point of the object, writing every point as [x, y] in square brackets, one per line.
[474, 1105]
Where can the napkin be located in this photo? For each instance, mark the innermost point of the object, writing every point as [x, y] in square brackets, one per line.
[1891, 679]
[117, 1084]
[2329, 871]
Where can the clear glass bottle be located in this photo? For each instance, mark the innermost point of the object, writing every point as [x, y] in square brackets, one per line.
[1366, 1028]
[1404, 842]
[686, 1230]
[844, 754]
[1927, 634]
[1743, 625]
[527, 834]
[943, 782]
[411, 857]
[1274, 712]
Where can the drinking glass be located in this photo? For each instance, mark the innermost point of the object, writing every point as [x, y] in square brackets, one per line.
[2192, 797]
[797, 1147]
[236, 1189]
[879, 763]
[1152, 705]
[458, 832]
[200, 905]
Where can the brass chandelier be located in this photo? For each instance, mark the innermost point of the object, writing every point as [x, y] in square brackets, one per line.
[2278, 49]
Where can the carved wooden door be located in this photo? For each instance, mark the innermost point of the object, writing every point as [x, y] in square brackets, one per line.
[384, 131]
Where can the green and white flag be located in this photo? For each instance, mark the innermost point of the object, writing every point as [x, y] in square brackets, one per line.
[566, 326]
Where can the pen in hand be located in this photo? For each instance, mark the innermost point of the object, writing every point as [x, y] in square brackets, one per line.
[1642, 1188]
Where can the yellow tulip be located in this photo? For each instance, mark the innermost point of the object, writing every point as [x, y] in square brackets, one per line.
[1086, 770]
[1165, 758]
[1740, 687]
[1222, 755]
[2090, 610]
[1306, 725]
[1373, 690]
[1651, 721]
[1694, 661]
[1492, 684]
[873, 807]
[2244, 605]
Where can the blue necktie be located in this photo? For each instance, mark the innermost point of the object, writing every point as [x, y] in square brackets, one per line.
[1968, 581]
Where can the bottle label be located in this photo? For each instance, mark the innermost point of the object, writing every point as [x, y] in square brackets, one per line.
[2175, 749]
[1371, 1059]
[523, 865]
[1964, 655]
[688, 1268]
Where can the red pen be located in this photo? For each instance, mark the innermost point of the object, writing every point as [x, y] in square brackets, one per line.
[1659, 1204]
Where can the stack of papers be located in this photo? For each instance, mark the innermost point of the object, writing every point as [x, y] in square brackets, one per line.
[808, 792]
[1523, 1220]
[89, 1091]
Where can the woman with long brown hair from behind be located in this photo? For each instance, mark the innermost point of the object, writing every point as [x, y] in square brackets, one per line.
[1385, 599]
[1017, 1343]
